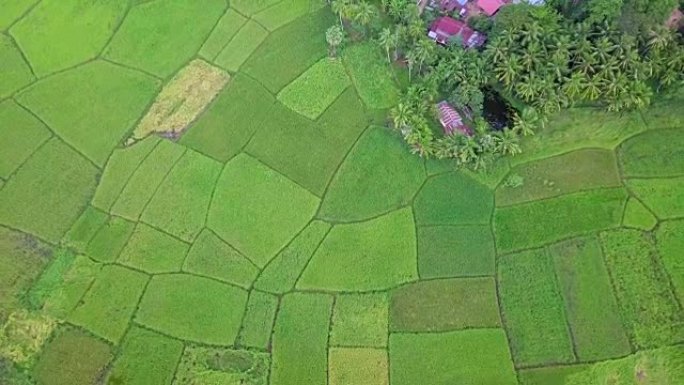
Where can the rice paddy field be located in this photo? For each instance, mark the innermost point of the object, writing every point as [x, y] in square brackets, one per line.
[273, 231]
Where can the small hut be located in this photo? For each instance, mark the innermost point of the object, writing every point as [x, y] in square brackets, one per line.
[451, 120]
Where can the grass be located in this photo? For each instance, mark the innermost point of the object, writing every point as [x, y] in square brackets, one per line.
[150, 39]
[22, 257]
[590, 304]
[372, 255]
[182, 100]
[207, 365]
[284, 12]
[550, 375]
[247, 205]
[665, 197]
[241, 46]
[16, 72]
[300, 348]
[453, 199]
[455, 251]
[291, 44]
[529, 224]
[65, 295]
[306, 155]
[153, 251]
[12, 10]
[108, 305]
[227, 27]
[371, 75]
[670, 243]
[146, 358]
[648, 308]
[84, 229]
[228, 124]
[591, 168]
[281, 274]
[91, 107]
[257, 325]
[358, 366]
[655, 153]
[652, 367]
[48, 192]
[90, 25]
[532, 309]
[216, 308]
[18, 144]
[180, 205]
[478, 356]
[377, 176]
[72, 357]
[146, 179]
[577, 128]
[445, 305]
[121, 165]
[637, 216]
[360, 320]
[316, 89]
[210, 256]
[110, 239]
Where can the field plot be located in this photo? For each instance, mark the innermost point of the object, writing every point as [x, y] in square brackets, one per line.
[52, 45]
[478, 356]
[259, 191]
[150, 38]
[217, 308]
[15, 71]
[195, 192]
[591, 169]
[47, 193]
[373, 255]
[377, 176]
[92, 106]
[649, 309]
[532, 309]
[529, 225]
[444, 305]
[312, 92]
[590, 306]
[21, 135]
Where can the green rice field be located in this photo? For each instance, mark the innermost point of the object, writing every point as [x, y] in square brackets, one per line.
[289, 237]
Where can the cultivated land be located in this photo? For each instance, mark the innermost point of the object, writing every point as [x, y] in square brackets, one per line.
[288, 237]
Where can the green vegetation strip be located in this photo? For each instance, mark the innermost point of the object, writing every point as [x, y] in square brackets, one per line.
[371, 75]
[16, 73]
[21, 135]
[665, 197]
[657, 153]
[670, 242]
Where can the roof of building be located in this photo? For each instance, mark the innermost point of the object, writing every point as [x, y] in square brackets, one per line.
[451, 120]
[490, 7]
[445, 27]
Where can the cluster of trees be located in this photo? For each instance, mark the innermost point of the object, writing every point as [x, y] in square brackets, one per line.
[614, 53]
[360, 14]
[552, 62]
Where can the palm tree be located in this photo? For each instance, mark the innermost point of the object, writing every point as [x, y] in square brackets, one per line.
[334, 36]
[364, 13]
[389, 41]
[342, 8]
[508, 142]
[401, 115]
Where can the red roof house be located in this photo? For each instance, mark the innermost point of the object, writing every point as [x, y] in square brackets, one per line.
[451, 120]
[445, 28]
[490, 7]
